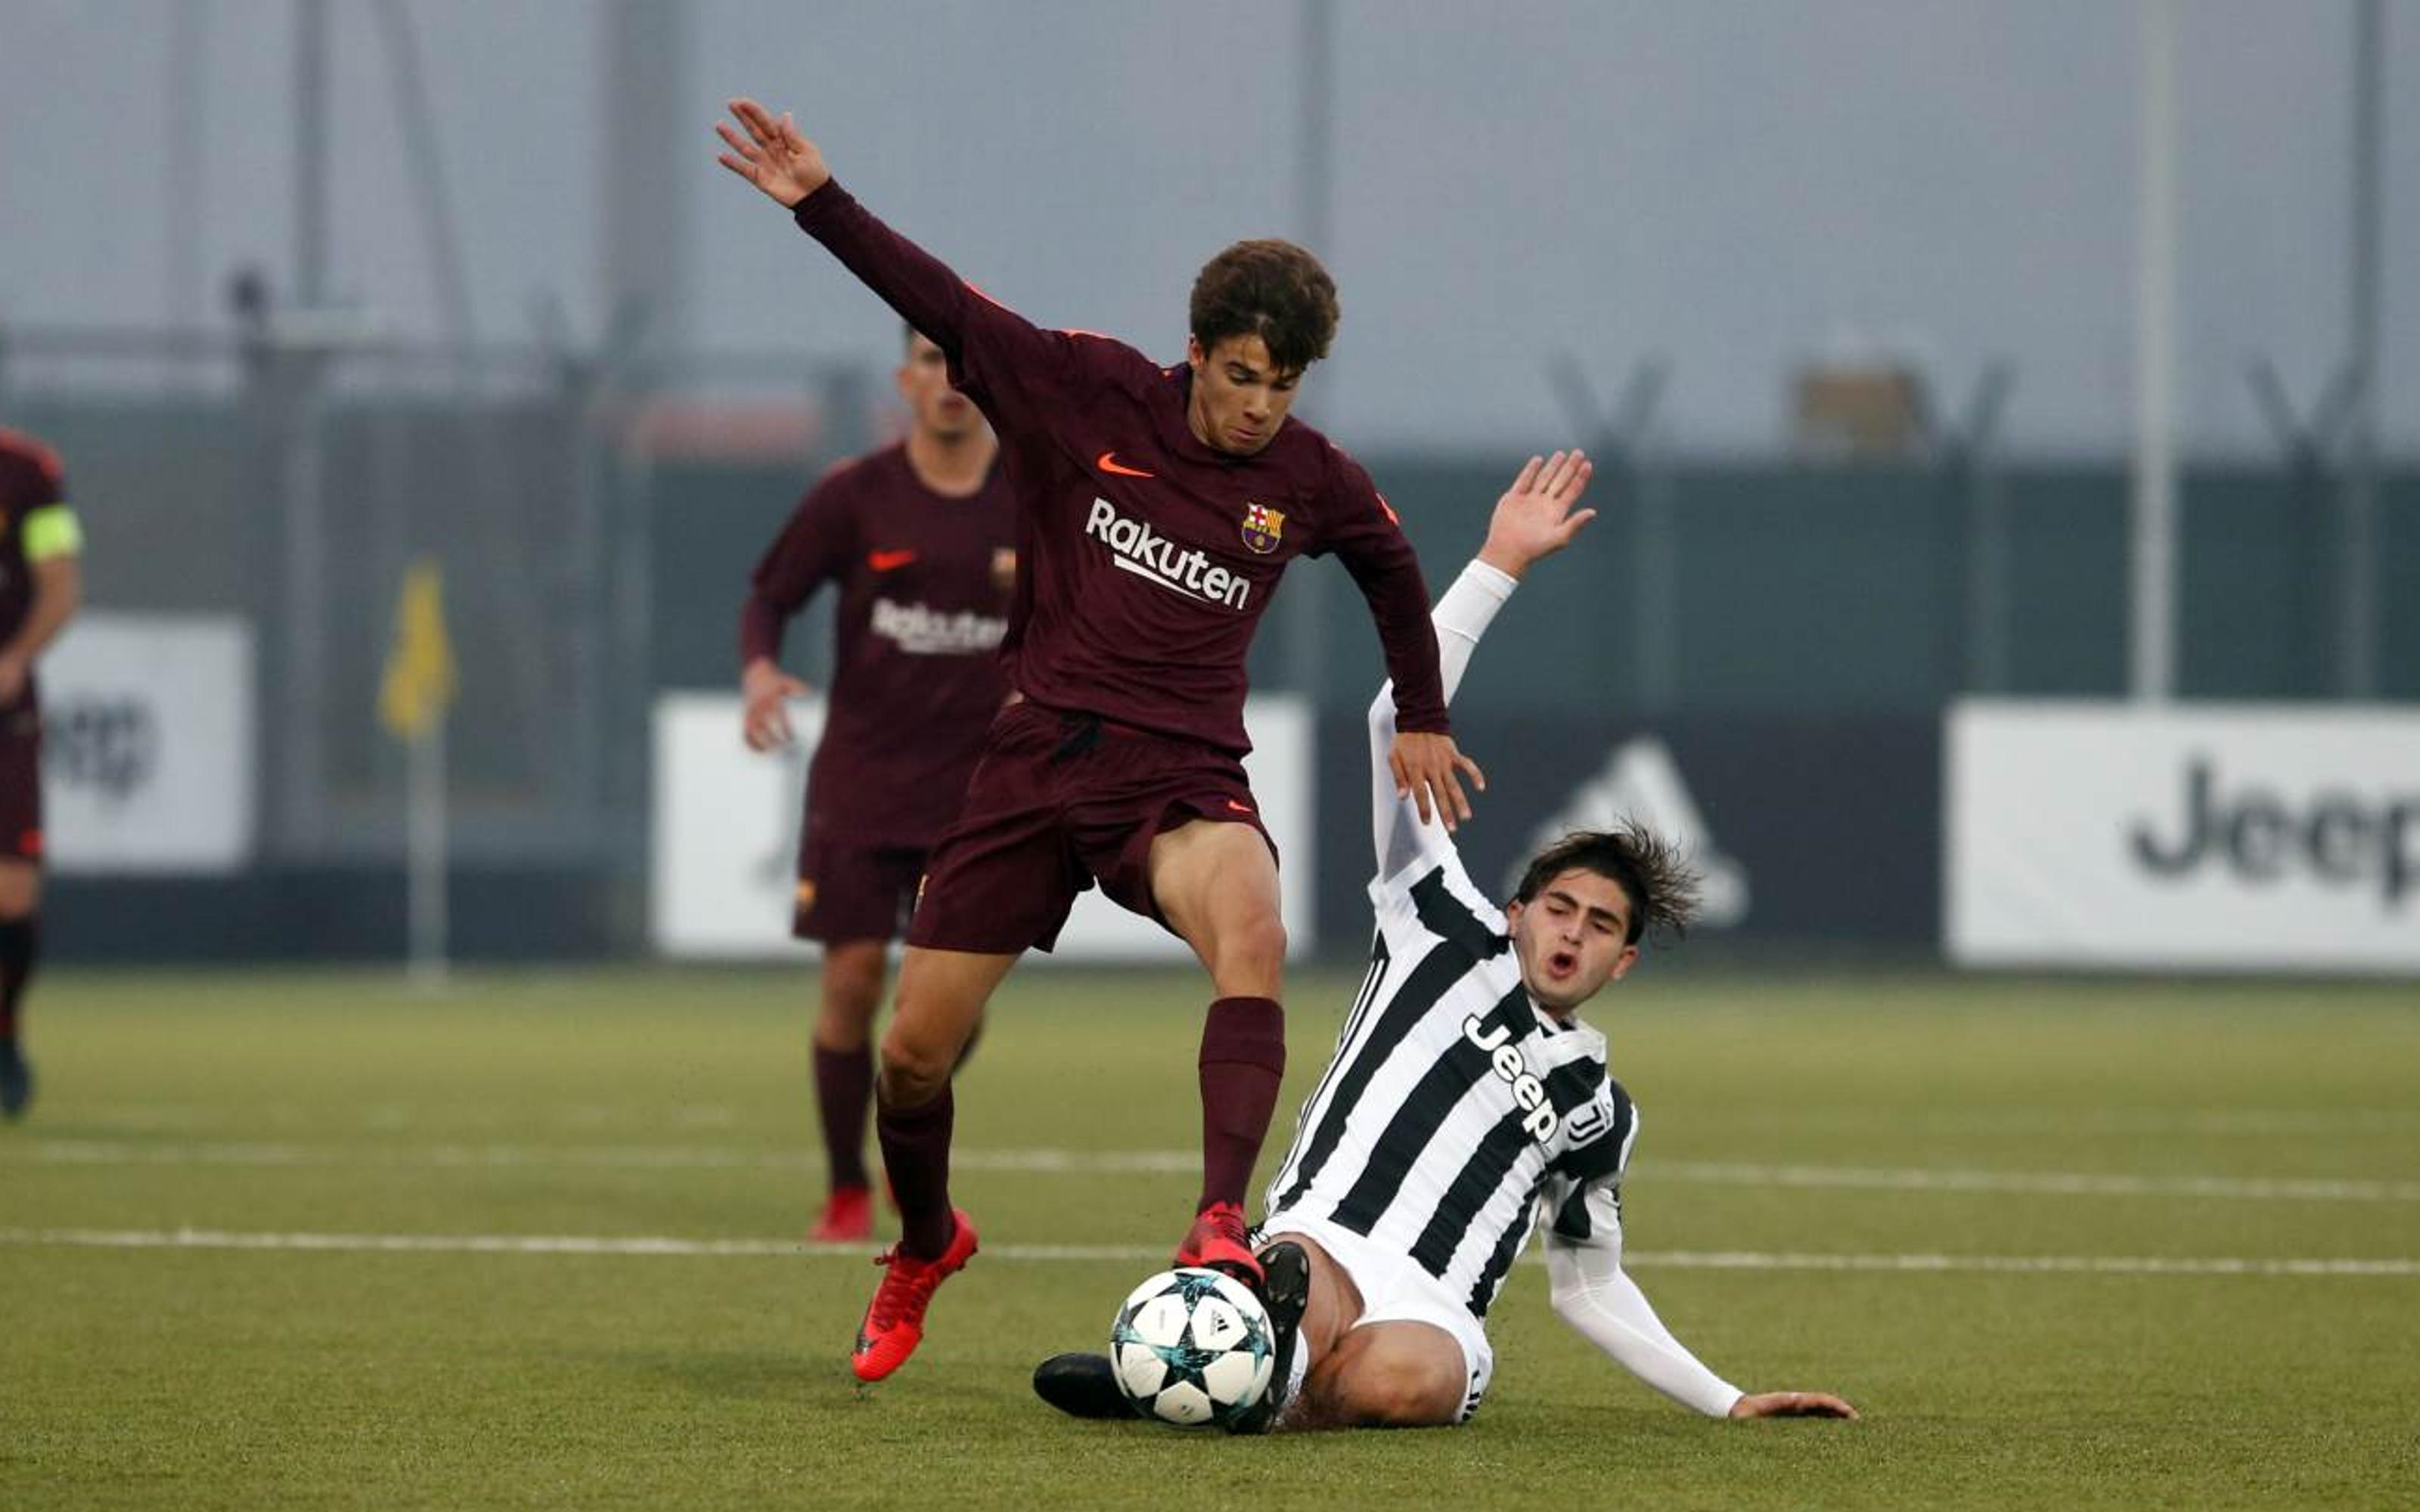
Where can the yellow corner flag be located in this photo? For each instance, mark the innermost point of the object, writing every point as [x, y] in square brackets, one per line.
[420, 678]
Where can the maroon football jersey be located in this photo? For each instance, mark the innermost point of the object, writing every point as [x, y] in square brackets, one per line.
[924, 582]
[1149, 557]
[29, 478]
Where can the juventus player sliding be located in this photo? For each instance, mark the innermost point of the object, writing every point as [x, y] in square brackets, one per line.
[1466, 1102]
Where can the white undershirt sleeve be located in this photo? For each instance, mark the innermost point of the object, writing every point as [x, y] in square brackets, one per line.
[1397, 836]
[1593, 1294]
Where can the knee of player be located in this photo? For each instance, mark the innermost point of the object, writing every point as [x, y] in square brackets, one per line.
[20, 888]
[914, 1064]
[852, 980]
[1401, 1396]
[1257, 941]
[841, 1025]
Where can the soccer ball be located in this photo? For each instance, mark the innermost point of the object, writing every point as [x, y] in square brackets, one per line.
[1192, 1347]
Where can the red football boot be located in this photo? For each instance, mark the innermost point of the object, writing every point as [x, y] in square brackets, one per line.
[1219, 1240]
[848, 1214]
[894, 1319]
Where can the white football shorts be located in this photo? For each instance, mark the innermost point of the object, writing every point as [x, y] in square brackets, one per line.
[1394, 1290]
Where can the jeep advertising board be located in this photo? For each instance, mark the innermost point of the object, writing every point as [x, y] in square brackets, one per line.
[2220, 836]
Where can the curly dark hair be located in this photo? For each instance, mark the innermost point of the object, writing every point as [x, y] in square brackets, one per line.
[1658, 878]
[1271, 289]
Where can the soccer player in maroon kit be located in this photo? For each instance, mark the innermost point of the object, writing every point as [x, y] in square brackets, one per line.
[1158, 508]
[919, 537]
[40, 584]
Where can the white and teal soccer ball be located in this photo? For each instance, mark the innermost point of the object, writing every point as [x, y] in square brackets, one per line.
[1192, 1347]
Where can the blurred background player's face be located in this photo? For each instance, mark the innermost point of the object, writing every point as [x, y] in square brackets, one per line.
[1571, 938]
[938, 409]
[1240, 397]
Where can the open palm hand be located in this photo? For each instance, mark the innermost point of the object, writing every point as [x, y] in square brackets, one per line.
[774, 155]
[1535, 520]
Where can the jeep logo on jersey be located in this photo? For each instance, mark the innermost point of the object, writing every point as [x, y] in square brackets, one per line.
[1147, 554]
[1642, 782]
[1263, 528]
[1539, 1119]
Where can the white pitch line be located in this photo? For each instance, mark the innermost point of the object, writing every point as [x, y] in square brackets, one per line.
[1158, 1162]
[650, 1246]
[2024, 1264]
[2062, 1183]
[397, 1117]
[609, 1157]
[2026, 1123]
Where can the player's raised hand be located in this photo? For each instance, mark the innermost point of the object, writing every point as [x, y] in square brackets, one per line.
[774, 155]
[764, 689]
[1535, 520]
[1429, 769]
[1793, 1404]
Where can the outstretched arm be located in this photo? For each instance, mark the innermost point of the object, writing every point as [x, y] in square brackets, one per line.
[1593, 1294]
[1534, 520]
[989, 344]
[775, 156]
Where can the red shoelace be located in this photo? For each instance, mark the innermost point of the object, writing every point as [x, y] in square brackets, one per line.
[908, 1278]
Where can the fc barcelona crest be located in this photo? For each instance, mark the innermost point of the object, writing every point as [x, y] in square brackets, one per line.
[1263, 528]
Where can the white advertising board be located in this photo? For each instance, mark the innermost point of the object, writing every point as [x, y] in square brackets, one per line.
[2196, 837]
[726, 835]
[148, 744]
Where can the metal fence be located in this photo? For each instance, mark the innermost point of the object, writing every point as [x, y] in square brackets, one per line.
[596, 536]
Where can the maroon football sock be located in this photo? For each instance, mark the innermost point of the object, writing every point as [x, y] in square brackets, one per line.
[1242, 1060]
[843, 1092]
[916, 1156]
[20, 939]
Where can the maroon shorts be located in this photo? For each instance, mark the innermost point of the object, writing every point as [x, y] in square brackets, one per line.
[855, 892]
[1060, 801]
[20, 786]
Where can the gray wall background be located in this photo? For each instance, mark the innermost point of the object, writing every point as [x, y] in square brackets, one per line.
[1735, 188]
[1737, 184]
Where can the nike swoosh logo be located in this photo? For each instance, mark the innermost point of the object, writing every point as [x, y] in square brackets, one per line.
[1239, 808]
[1109, 463]
[889, 561]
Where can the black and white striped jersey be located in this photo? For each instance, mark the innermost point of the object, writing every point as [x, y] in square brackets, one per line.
[1455, 1110]
[1456, 1114]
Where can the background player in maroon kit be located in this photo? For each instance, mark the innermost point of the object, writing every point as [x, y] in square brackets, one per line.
[919, 537]
[40, 584]
[1158, 509]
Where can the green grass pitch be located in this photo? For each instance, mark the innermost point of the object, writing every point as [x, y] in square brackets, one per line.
[266, 1241]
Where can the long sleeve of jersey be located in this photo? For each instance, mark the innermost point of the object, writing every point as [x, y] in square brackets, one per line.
[928, 295]
[1014, 369]
[761, 623]
[812, 549]
[1593, 1294]
[1461, 617]
[1370, 541]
